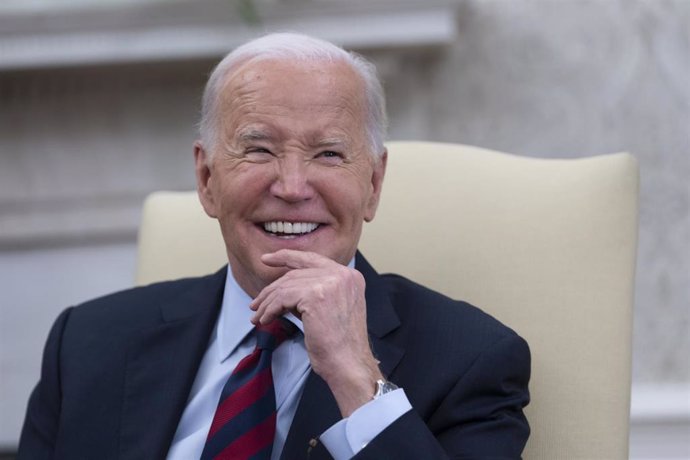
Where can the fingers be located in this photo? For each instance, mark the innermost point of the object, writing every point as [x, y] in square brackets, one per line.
[287, 280]
[274, 305]
[283, 295]
[293, 259]
[309, 278]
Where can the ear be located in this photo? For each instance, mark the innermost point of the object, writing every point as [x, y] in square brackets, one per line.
[379, 171]
[204, 181]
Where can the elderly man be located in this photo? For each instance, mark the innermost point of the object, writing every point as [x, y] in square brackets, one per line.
[299, 349]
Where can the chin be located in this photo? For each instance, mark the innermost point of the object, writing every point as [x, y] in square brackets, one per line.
[267, 275]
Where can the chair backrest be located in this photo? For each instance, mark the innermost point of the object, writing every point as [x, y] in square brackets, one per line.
[546, 246]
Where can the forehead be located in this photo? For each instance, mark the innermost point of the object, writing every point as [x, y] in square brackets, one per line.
[317, 74]
[324, 93]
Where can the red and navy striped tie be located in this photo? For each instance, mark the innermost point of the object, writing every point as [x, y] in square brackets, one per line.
[245, 421]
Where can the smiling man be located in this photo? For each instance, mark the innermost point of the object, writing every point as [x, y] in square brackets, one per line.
[299, 349]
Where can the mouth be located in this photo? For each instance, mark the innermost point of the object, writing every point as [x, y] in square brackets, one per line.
[289, 230]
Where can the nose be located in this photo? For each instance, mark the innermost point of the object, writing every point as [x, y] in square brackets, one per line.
[292, 183]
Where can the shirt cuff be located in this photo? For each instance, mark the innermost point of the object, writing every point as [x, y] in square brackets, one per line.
[350, 435]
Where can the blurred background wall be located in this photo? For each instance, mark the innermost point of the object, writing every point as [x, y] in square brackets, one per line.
[99, 100]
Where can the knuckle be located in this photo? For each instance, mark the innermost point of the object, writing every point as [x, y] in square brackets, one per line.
[320, 290]
[355, 277]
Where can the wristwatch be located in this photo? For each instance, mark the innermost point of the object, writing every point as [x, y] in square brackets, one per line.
[383, 387]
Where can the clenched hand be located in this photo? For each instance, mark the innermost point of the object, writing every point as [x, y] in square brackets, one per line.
[329, 299]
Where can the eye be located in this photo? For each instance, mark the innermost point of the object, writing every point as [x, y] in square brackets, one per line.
[257, 153]
[331, 156]
[258, 150]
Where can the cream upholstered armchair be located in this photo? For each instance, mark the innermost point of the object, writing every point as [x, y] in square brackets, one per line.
[546, 246]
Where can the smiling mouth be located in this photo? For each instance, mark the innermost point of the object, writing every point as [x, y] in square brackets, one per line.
[287, 230]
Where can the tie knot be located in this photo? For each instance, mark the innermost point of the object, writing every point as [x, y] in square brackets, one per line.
[271, 335]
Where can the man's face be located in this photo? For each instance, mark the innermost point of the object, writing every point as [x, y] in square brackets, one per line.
[291, 168]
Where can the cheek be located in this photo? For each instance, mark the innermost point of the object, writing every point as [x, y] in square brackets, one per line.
[349, 199]
[245, 186]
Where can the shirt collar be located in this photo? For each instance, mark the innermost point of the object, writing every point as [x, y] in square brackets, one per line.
[233, 322]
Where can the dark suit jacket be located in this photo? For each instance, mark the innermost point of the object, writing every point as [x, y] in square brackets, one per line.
[117, 372]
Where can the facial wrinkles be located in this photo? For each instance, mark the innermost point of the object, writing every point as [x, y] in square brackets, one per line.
[245, 98]
[285, 138]
[284, 123]
[296, 111]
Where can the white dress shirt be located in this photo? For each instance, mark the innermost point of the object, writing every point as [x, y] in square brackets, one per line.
[230, 342]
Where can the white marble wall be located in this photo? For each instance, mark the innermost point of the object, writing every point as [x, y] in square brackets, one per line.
[80, 147]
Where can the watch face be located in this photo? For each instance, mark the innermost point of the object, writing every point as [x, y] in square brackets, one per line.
[383, 387]
[388, 387]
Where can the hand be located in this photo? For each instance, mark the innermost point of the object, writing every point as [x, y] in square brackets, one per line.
[329, 299]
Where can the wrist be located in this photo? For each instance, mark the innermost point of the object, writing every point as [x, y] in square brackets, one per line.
[354, 387]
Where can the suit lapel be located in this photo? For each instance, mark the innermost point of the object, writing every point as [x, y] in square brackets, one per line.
[162, 366]
[318, 410]
[381, 318]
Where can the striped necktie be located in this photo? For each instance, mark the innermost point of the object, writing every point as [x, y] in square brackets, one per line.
[244, 424]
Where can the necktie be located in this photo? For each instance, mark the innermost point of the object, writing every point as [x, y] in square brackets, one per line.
[244, 424]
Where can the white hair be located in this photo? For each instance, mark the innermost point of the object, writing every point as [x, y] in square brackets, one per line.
[302, 48]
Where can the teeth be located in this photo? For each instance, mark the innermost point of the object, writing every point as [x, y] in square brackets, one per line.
[290, 227]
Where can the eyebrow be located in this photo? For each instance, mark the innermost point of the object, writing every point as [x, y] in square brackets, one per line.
[253, 134]
[331, 141]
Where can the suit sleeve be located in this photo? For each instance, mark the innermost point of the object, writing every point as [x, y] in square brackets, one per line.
[39, 432]
[480, 418]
